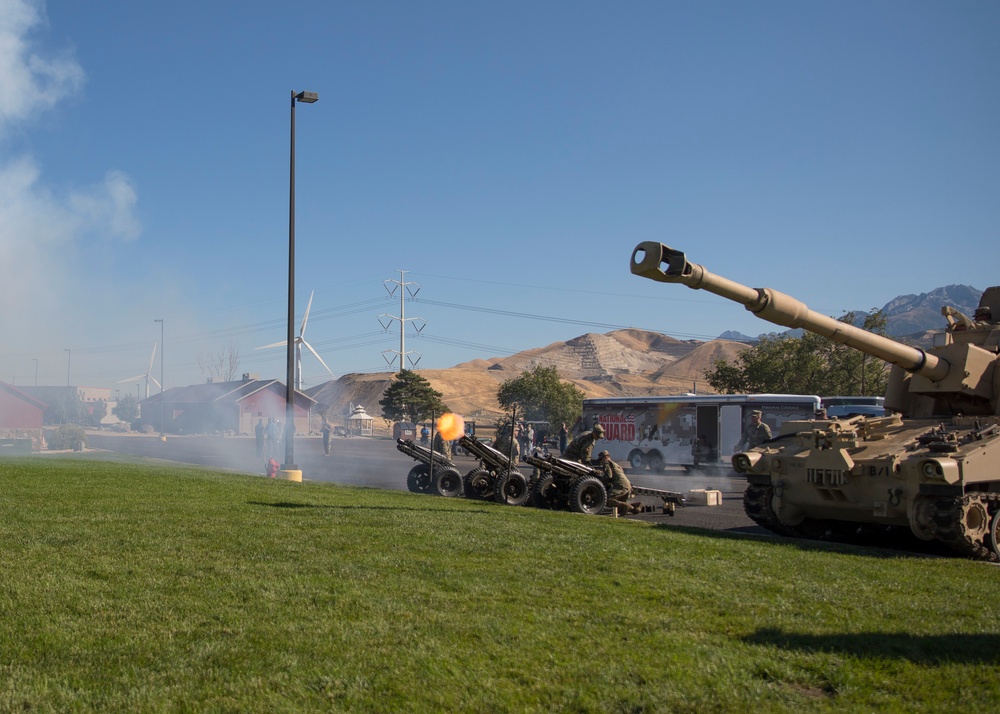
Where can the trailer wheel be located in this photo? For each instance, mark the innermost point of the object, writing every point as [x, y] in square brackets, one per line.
[478, 484]
[447, 482]
[588, 496]
[419, 478]
[656, 462]
[511, 488]
[637, 460]
[546, 493]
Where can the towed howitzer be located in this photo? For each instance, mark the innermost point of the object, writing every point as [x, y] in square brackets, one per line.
[435, 473]
[932, 467]
[570, 483]
[496, 477]
[563, 483]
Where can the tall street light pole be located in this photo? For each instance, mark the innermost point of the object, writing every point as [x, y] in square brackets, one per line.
[69, 361]
[35, 360]
[290, 470]
[162, 412]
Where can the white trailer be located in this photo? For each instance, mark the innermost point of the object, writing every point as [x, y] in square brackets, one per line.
[691, 430]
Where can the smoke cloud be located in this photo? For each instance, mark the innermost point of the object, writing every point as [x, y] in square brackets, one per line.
[44, 230]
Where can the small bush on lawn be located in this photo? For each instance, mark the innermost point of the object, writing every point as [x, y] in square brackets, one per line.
[67, 437]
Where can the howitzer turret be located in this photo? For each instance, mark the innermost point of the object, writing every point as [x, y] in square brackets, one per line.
[934, 467]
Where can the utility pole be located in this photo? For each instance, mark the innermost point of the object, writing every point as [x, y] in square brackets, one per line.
[404, 288]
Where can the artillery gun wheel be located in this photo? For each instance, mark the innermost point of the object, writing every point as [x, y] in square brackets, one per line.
[511, 488]
[588, 495]
[447, 482]
[637, 460]
[478, 484]
[546, 493]
[419, 479]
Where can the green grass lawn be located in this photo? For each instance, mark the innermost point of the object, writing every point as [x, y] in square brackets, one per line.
[151, 587]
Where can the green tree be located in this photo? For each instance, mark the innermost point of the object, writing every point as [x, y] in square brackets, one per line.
[94, 412]
[410, 397]
[811, 364]
[127, 409]
[64, 407]
[540, 395]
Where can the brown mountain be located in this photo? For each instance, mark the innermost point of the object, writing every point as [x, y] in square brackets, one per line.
[622, 363]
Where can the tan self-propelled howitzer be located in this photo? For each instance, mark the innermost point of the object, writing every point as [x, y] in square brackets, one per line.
[934, 467]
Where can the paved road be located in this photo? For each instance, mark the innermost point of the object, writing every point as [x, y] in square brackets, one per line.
[377, 463]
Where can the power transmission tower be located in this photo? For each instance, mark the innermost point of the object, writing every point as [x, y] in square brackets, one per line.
[386, 320]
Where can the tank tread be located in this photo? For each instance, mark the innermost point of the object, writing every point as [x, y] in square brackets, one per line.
[757, 505]
[963, 523]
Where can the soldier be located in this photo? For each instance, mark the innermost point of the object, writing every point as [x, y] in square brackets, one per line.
[619, 488]
[755, 433]
[582, 446]
[441, 446]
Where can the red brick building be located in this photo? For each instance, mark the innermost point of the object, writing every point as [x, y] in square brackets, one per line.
[20, 419]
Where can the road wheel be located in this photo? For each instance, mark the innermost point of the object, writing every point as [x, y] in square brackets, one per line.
[478, 484]
[588, 496]
[447, 482]
[994, 538]
[511, 488]
[655, 462]
[419, 479]
[546, 493]
[637, 460]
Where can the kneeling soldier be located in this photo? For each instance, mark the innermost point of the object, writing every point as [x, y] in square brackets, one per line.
[619, 490]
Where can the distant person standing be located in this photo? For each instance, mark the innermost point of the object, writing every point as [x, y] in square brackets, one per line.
[755, 433]
[258, 432]
[325, 431]
[563, 438]
[271, 438]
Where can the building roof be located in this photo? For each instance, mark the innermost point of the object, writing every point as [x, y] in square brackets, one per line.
[23, 396]
[223, 392]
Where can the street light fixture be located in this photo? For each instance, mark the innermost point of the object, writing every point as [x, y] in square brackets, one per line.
[291, 471]
[162, 425]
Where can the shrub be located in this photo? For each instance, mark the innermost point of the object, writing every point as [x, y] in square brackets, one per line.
[67, 437]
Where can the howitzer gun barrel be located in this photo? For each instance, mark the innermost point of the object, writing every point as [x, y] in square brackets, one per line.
[484, 452]
[562, 467]
[422, 453]
[664, 264]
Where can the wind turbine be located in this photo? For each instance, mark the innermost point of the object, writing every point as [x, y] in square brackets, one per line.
[299, 342]
[148, 375]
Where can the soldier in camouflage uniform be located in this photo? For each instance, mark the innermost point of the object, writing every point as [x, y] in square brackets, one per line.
[755, 433]
[619, 488]
[441, 446]
[582, 446]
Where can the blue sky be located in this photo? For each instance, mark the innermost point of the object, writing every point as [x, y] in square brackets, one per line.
[508, 156]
